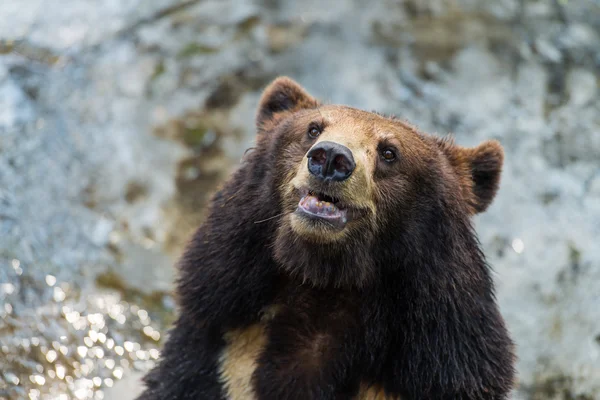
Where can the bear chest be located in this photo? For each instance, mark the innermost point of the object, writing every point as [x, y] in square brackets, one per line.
[306, 342]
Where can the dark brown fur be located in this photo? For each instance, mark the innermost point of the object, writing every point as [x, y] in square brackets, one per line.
[400, 301]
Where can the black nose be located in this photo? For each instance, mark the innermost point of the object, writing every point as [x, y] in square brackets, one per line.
[330, 161]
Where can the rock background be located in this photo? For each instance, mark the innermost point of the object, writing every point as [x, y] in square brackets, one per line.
[119, 118]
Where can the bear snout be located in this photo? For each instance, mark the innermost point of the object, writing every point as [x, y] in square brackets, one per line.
[330, 161]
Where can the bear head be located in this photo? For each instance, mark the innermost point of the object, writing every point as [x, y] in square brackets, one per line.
[358, 192]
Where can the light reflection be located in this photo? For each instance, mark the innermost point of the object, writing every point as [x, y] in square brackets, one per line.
[12, 378]
[518, 245]
[81, 353]
[50, 280]
[59, 294]
[60, 371]
[16, 264]
[118, 372]
[154, 353]
[51, 356]
[128, 345]
[7, 288]
[37, 379]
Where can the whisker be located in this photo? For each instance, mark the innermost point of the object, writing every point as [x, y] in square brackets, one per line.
[267, 219]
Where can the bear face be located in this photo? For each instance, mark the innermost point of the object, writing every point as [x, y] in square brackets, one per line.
[346, 178]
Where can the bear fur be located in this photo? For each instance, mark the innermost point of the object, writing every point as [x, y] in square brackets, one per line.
[398, 303]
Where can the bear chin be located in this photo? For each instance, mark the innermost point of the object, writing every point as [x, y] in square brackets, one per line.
[316, 229]
[322, 254]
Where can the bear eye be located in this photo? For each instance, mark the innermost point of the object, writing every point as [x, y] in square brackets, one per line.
[314, 131]
[388, 155]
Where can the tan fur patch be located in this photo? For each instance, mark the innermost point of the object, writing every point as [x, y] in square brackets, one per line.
[242, 350]
[374, 392]
[238, 361]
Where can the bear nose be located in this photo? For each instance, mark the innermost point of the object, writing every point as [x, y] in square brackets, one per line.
[330, 161]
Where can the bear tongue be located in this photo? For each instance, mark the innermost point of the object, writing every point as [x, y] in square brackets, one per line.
[313, 205]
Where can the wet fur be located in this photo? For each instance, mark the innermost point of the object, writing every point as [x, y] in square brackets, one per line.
[401, 306]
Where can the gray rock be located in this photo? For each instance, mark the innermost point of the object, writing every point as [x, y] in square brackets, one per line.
[117, 119]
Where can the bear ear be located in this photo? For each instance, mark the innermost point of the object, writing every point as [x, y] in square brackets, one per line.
[485, 165]
[480, 167]
[281, 97]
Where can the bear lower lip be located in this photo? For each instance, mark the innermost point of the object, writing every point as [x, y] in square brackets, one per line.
[311, 205]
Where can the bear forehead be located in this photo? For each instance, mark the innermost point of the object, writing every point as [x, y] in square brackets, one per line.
[369, 128]
[365, 122]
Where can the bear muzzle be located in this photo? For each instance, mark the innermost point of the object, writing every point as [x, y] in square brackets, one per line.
[319, 206]
[330, 161]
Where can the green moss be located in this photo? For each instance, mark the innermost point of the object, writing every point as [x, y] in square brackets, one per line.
[574, 255]
[193, 136]
[556, 387]
[194, 49]
[159, 69]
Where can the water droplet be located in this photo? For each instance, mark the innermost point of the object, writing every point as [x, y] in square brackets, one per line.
[12, 378]
[37, 379]
[99, 352]
[50, 280]
[518, 245]
[82, 351]
[59, 294]
[154, 353]
[143, 314]
[119, 350]
[7, 288]
[93, 335]
[60, 371]
[51, 356]
[148, 330]
[128, 345]
[118, 373]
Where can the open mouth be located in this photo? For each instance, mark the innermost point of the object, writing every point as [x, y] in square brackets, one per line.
[324, 207]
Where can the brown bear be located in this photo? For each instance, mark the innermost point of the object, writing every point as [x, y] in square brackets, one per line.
[340, 262]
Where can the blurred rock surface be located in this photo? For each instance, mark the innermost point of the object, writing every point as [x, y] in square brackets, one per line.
[119, 118]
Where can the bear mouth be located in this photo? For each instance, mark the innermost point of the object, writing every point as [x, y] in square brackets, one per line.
[323, 207]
